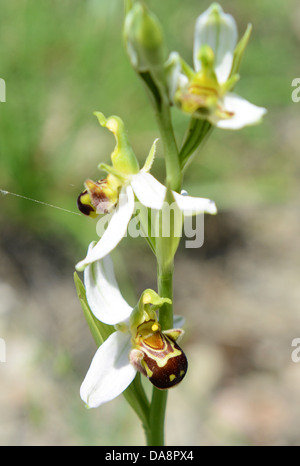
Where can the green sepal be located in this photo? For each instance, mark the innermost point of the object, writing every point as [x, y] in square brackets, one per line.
[99, 330]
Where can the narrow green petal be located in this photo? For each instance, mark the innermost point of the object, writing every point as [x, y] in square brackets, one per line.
[239, 50]
[150, 158]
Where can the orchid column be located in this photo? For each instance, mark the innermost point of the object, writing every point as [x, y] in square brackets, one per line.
[143, 340]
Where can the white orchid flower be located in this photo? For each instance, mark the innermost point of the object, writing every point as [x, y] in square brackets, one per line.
[138, 344]
[205, 91]
[116, 194]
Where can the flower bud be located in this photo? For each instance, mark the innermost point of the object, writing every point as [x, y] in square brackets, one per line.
[144, 39]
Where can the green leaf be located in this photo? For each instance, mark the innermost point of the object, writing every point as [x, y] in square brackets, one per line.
[197, 132]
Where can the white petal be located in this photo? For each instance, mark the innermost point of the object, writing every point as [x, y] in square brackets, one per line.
[150, 192]
[194, 205]
[245, 113]
[110, 371]
[175, 78]
[115, 231]
[219, 31]
[103, 294]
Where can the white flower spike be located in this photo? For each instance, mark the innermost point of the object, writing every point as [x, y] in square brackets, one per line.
[138, 344]
[205, 91]
[116, 194]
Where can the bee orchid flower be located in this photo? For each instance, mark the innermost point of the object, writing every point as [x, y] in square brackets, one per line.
[116, 193]
[205, 91]
[137, 344]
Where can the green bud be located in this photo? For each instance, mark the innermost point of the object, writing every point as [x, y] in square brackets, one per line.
[144, 39]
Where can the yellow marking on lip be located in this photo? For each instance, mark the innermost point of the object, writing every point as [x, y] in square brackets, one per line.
[155, 327]
[172, 377]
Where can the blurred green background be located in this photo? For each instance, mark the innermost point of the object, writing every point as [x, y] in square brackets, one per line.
[62, 60]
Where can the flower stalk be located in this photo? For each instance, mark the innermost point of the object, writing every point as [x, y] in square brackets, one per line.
[141, 341]
[173, 169]
[159, 398]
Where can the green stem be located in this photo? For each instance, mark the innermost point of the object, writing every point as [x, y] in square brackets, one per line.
[161, 105]
[159, 397]
[173, 169]
[157, 418]
[164, 273]
[158, 96]
[165, 290]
